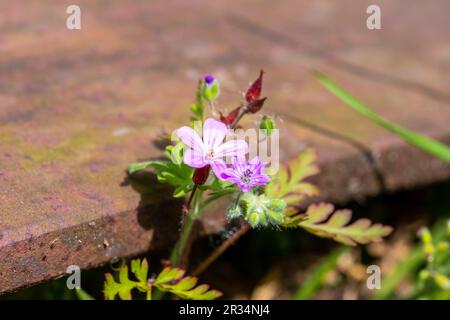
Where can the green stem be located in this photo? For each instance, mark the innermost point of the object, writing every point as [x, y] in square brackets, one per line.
[194, 214]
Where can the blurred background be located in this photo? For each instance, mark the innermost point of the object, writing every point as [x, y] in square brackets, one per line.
[77, 106]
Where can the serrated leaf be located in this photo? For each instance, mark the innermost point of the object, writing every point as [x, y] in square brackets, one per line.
[288, 184]
[122, 288]
[169, 274]
[172, 280]
[169, 279]
[140, 269]
[187, 283]
[320, 220]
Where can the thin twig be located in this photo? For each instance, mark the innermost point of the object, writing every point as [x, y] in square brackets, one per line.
[221, 249]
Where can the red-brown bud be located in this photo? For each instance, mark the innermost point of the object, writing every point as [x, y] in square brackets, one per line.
[255, 105]
[201, 175]
[254, 92]
[231, 117]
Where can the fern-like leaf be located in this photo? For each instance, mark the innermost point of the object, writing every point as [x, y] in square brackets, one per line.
[289, 185]
[321, 220]
[169, 280]
[140, 269]
[173, 280]
[124, 286]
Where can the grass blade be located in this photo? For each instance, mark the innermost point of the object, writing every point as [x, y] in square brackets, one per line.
[426, 144]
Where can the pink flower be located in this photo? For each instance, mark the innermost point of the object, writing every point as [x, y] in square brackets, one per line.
[210, 150]
[245, 174]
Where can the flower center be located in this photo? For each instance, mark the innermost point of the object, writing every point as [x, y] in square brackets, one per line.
[245, 178]
[209, 155]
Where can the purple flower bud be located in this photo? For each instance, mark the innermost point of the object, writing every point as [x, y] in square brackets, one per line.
[209, 79]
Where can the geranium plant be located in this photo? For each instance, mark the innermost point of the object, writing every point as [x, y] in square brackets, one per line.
[203, 166]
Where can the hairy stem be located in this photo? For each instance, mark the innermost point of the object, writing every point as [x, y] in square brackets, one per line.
[193, 214]
[221, 249]
[188, 204]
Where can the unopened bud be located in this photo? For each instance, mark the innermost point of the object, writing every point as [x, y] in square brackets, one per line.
[210, 88]
[267, 124]
[254, 91]
[201, 175]
[255, 105]
[230, 118]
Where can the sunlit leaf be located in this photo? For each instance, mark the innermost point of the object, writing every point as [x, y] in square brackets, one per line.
[289, 183]
[173, 280]
[168, 280]
[173, 172]
[140, 269]
[122, 288]
[321, 220]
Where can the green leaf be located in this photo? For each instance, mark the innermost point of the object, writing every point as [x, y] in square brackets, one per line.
[169, 280]
[173, 172]
[124, 286]
[132, 168]
[173, 280]
[288, 184]
[140, 269]
[320, 220]
[424, 143]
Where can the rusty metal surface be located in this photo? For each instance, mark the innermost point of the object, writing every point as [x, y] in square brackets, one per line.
[76, 107]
